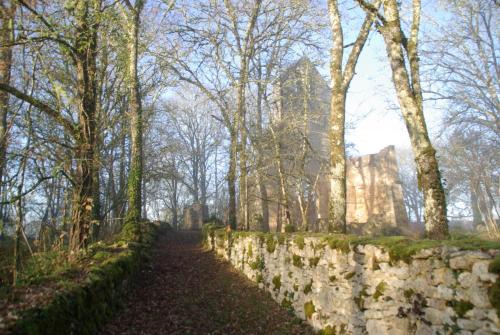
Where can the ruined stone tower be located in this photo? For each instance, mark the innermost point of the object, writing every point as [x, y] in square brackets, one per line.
[300, 124]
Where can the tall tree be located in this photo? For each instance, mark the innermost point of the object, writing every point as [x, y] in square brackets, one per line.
[132, 23]
[81, 52]
[400, 50]
[7, 15]
[341, 77]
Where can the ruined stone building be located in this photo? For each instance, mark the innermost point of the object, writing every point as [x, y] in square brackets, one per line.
[298, 150]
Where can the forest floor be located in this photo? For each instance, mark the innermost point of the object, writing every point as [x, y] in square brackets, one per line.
[188, 290]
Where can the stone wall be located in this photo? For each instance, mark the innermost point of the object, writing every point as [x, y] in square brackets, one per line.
[384, 287]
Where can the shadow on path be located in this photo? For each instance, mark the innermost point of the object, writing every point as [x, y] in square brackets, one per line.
[188, 290]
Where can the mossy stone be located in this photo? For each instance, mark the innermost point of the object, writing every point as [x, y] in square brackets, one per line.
[309, 309]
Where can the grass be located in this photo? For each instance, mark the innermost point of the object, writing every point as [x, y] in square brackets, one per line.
[400, 248]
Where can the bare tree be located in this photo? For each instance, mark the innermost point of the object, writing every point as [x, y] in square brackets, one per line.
[401, 50]
[341, 77]
[463, 65]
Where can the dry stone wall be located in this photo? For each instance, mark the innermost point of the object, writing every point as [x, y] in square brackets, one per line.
[365, 289]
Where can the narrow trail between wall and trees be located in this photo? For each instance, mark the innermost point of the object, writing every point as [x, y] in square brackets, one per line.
[188, 290]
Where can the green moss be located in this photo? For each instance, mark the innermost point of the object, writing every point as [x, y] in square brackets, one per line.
[287, 304]
[270, 244]
[295, 287]
[494, 266]
[281, 239]
[379, 290]
[328, 330]
[250, 250]
[409, 293]
[360, 299]
[259, 278]
[299, 241]
[277, 282]
[297, 261]
[461, 307]
[332, 279]
[309, 309]
[308, 287]
[290, 274]
[289, 228]
[494, 295]
[85, 305]
[313, 262]
[258, 264]
[350, 275]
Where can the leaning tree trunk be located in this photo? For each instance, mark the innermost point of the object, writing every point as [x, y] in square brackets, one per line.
[410, 99]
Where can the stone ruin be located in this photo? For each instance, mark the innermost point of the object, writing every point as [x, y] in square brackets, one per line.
[194, 216]
[374, 192]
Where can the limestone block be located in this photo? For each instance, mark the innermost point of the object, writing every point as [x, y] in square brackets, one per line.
[480, 269]
[463, 260]
[442, 276]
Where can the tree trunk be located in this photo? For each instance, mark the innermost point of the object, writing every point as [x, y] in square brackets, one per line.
[135, 114]
[264, 201]
[7, 13]
[474, 202]
[340, 80]
[84, 188]
[410, 99]
[231, 180]
[337, 201]
[282, 180]
[241, 111]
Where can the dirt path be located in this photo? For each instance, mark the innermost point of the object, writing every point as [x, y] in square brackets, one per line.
[187, 290]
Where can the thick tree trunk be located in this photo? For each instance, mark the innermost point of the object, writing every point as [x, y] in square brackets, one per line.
[409, 96]
[337, 205]
[340, 80]
[84, 189]
[135, 114]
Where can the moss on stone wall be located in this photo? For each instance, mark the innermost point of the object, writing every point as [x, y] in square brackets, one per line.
[313, 262]
[297, 261]
[309, 309]
[277, 282]
[461, 307]
[270, 244]
[82, 308]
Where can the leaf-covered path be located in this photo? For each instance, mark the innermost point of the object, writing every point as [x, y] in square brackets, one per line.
[188, 290]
